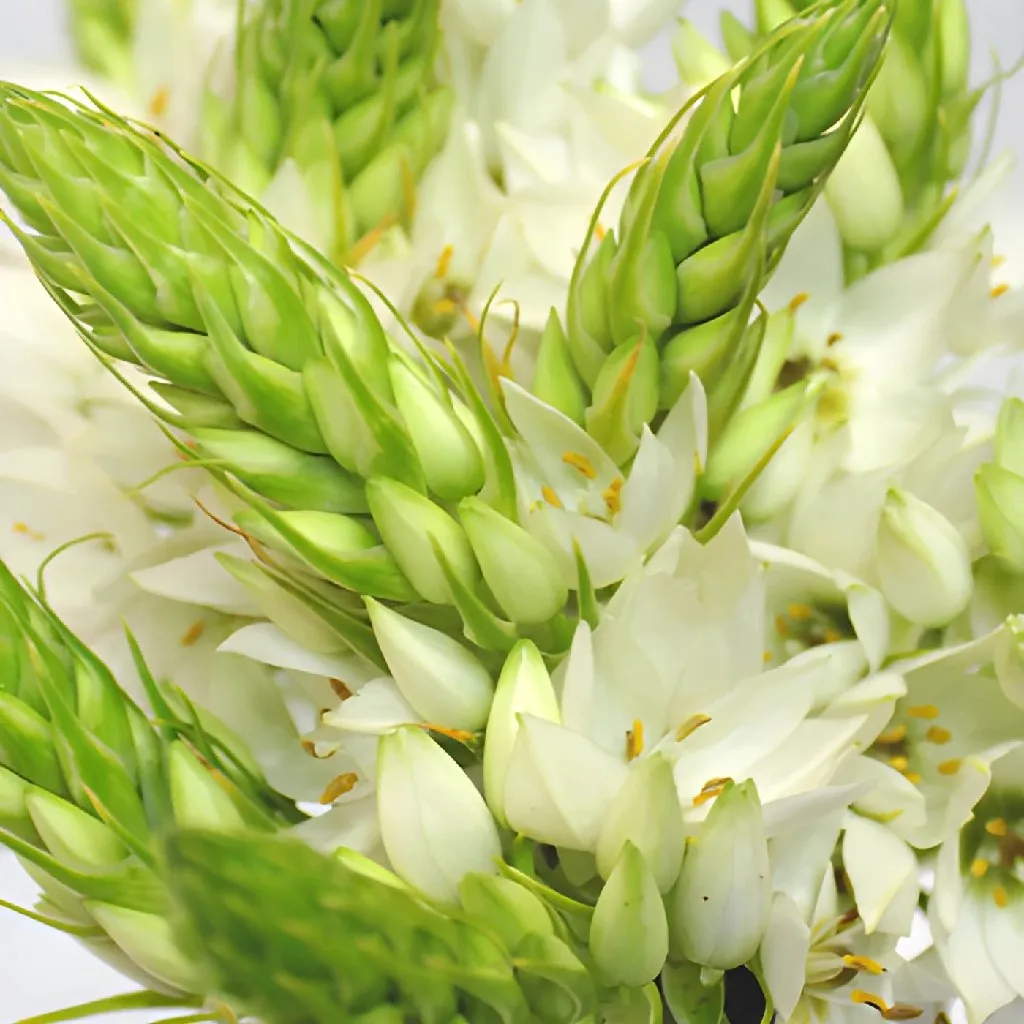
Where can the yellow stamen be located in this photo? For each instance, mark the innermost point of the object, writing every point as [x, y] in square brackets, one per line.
[193, 633]
[690, 726]
[26, 531]
[612, 496]
[800, 611]
[581, 463]
[710, 789]
[797, 301]
[1000, 289]
[902, 1011]
[900, 763]
[781, 627]
[635, 740]
[339, 787]
[863, 963]
[459, 735]
[979, 868]
[923, 711]
[309, 747]
[365, 245]
[1001, 897]
[550, 497]
[600, 231]
[833, 339]
[997, 261]
[858, 995]
[889, 738]
[950, 767]
[157, 105]
[936, 734]
[997, 827]
[833, 636]
[767, 656]
[341, 691]
[445, 307]
[471, 318]
[914, 778]
[444, 262]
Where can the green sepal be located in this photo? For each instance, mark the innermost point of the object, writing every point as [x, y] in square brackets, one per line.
[555, 379]
[27, 745]
[198, 411]
[689, 1000]
[587, 326]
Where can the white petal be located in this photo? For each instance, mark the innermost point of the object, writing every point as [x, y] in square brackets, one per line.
[198, 578]
[1004, 940]
[883, 871]
[784, 949]
[376, 708]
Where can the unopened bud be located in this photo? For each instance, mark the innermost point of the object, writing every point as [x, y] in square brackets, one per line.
[1000, 497]
[441, 679]
[198, 798]
[73, 836]
[505, 907]
[923, 563]
[1009, 444]
[697, 60]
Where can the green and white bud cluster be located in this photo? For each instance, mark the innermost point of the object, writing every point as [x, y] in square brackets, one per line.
[87, 782]
[349, 941]
[707, 218]
[333, 114]
[889, 190]
[102, 32]
[381, 474]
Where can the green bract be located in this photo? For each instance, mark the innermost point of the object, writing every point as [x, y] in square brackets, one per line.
[706, 220]
[334, 112]
[102, 32]
[87, 782]
[327, 941]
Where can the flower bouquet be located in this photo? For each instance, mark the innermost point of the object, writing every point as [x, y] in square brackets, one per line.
[484, 543]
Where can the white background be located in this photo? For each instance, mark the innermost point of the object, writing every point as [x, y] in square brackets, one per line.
[41, 970]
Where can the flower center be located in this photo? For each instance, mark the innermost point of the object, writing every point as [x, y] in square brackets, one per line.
[801, 626]
[992, 847]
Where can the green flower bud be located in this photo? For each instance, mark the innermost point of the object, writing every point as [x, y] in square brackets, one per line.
[504, 907]
[198, 797]
[1000, 494]
[697, 60]
[516, 567]
[411, 525]
[629, 931]
[1009, 442]
[451, 461]
[27, 745]
[625, 398]
[555, 379]
[14, 814]
[74, 837]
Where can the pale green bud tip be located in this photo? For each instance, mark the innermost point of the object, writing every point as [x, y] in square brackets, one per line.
[1000, 497]
[924, 565]
[698, 61]
[518, 569]
[431, 852]
[148, 941]
[73, 837]
[1009, 447]
[410, 525]
[199, 797]
[442, 680]
[508, 909]
[524, 686]
[719, 908]
[629, 930]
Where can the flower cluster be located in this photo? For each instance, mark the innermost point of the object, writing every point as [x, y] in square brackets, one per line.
[648, 647]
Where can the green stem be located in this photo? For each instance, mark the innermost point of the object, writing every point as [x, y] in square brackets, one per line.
[114, 1004]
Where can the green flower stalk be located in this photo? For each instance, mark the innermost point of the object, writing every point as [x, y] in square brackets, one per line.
[890, 190]
[334, 114]
[706, 220]
[354, 458]
[88, 782]
[102, 32]
[329, 939]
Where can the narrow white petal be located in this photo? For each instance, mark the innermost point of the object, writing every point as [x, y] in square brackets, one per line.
[883, 871]
[784, 949]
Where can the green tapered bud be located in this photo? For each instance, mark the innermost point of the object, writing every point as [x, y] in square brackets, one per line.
[198, 798]
[516, 567]
[419, 534]
[555, 378]
[698, 61]
[505, 907]
[14, 814]
[27, 745]
[625, 398]
[335, 113]
[708, 216]
[72, 836]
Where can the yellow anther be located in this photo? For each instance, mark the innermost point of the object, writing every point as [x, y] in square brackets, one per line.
[800, 611]
[581, 463]
[766, 656]
[797, 301]
[858, 995]
[999, 289]
[997, 827]
[979, 867]
[635, 740]
[833, 636]
[690, 726]
[889, 738]
[600, 231]
[338, 787]
[950, 767]
[781, 626]
[309, 747]
[833, 339]
[550, 497]
[341, 691]
[612, 496]
[900, 763]
[710, 789]
[444, 262]
[902, 1011]
[445, 307]
[459, 735]
[863, 963]
[914, 778]
[26, 531]
[923, 711]
[1001, 897]
[997, 261]
[936, 734]
[157, 105]
[193, 633]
